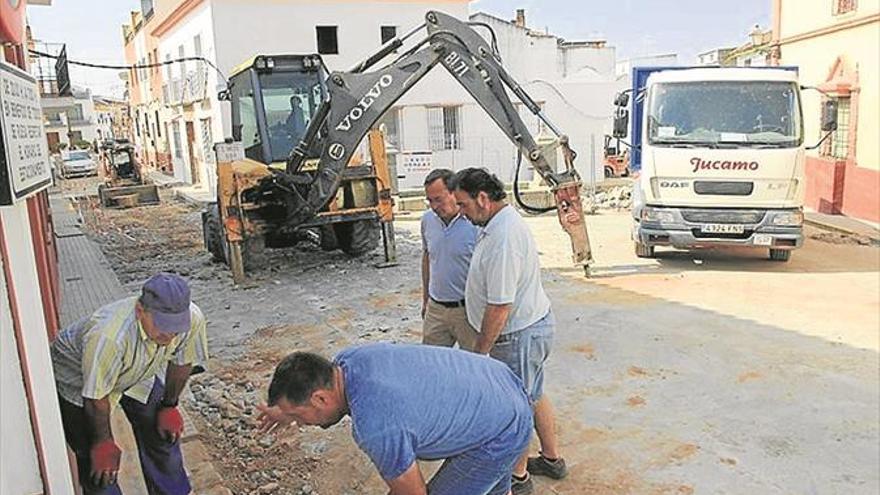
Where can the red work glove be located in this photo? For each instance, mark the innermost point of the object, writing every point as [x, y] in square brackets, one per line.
[105, 457]
[169, 423]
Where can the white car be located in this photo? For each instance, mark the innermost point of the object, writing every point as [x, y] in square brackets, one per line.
[78, 163]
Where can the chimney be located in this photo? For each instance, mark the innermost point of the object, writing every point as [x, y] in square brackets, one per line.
[520, 18]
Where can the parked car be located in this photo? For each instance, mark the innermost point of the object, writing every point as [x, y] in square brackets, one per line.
[78, 163]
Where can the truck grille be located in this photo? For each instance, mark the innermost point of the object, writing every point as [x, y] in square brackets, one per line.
[726, 188]
[723, 216]
[704, 235]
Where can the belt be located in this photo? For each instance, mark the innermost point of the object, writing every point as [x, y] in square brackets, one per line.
[504, 337]
[450, 304]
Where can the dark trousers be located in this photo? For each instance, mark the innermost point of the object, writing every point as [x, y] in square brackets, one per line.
[161, 462]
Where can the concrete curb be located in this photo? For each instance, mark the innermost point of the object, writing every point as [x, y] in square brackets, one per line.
[190, 199]
[873, 234]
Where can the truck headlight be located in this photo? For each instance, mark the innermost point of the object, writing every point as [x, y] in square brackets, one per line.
[650, 214]
[789, 218]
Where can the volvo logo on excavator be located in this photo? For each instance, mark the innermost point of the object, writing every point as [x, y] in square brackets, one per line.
[365, 103]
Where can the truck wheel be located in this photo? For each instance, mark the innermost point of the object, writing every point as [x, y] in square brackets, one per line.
[644, 251]
[609, 172]
[212, 231]
[358, 237]
[780, 254]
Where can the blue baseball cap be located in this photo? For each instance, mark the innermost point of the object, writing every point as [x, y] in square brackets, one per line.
[166, 297]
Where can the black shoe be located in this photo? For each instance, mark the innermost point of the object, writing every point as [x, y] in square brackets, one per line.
[521, 487]
[540, 466]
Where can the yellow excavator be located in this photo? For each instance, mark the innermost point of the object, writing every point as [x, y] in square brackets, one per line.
[293, 169]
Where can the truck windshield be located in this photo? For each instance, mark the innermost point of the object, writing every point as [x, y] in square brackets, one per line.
[748, 113]
[289, 99]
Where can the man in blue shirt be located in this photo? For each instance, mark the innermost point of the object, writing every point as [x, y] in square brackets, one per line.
[448, 240]
[476, 415]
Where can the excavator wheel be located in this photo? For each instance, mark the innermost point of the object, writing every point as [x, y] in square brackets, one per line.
[328, 238]
[357, 238]
[215, 241]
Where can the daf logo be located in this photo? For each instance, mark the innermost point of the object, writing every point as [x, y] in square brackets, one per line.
[674, 184]
[336, 151]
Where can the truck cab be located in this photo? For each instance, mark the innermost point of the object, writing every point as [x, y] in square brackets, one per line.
[721, 158]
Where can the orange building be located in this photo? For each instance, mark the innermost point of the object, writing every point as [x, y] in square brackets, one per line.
[836, 46]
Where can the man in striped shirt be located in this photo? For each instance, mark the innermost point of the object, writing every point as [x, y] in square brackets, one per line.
[137, 352]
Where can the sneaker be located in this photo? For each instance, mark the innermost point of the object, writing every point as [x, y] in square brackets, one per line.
[540, 466]
[521, 487]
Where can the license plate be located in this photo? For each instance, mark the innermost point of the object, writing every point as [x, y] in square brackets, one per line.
[762, 240]
[722, 228]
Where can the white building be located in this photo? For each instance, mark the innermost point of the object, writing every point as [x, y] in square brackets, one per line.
[177, 116]
[573, 81]
[70, 120]
[623, 68]
[68, 113]
[178, 113]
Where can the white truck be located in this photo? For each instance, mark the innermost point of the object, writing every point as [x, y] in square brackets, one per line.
[719, 154]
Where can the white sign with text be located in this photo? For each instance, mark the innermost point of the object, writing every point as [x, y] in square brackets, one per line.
[25, 155]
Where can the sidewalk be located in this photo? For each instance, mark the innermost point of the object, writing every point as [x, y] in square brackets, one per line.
[197, 195]
[842, 224]
[87, 283]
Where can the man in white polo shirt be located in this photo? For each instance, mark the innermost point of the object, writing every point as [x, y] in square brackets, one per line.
[448, 240]
[507, 303]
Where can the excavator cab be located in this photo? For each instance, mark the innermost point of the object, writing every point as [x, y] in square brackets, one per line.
[273, 100]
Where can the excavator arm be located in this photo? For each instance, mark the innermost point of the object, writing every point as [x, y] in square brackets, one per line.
[357, 99]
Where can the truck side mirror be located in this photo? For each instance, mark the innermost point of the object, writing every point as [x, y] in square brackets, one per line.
[621, 100]
[829, 115]
[621, 122]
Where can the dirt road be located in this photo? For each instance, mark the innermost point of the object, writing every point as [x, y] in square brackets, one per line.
[735, 375]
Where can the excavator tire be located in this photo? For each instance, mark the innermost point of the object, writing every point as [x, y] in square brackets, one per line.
[212, 231]
[328, 238]
[357, 238]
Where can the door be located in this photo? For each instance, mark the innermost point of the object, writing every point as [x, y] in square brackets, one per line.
[191, 142]
[52, 139]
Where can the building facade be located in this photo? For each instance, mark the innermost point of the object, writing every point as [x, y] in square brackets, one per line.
[176, 116]
[68, 112]
[836, 46]
[31, 436]
[753, 53]
[574, 82]
[111, 116]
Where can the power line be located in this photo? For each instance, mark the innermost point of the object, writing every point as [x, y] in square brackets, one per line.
[135, 66]
[567, 102]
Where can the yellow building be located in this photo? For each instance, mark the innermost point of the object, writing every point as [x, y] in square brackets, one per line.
[836, 46]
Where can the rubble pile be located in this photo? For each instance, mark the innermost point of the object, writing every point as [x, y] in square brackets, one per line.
[616, 198]
[140, 241]
[250, 462]
[302, 299]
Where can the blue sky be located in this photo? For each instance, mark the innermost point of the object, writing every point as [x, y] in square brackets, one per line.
[634, 27]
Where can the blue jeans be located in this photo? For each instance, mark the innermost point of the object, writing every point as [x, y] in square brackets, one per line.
[161, 461]
[526, 351]
[485, 470]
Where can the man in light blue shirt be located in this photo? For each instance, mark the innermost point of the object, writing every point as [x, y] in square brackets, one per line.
[476, 416]
[448, 240]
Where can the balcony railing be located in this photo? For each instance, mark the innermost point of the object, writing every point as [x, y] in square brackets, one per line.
[183, 91]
